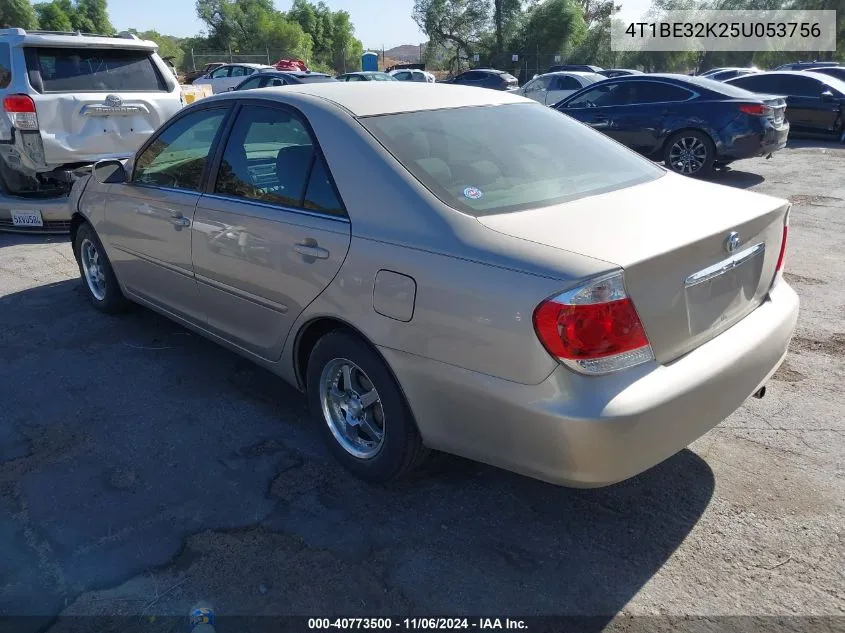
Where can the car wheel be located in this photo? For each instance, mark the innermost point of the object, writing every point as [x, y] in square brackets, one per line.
[360, 411]
[690, 153]
[97, 275]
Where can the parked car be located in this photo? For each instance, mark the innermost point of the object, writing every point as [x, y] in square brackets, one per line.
[806, 65]
[289, 65]
[267, 78]
[815, 103]
[444, 287]
[193, 75]
[485, 78]
[412, 74]
[550, 88]
[837, 72]
[229, 76]
[723, 74]
[581, 68]
[692, 124]
[618, 72]
[367, 75]
[68, 101]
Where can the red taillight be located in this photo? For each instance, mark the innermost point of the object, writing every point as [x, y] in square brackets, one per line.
[779, 266]
[21, 112]
[594, 329]
[18, 103]
[755, 109]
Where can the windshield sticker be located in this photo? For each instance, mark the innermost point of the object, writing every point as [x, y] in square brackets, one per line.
[473, 193]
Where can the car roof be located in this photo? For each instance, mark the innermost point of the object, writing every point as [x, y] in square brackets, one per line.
[249, 65]
[389, 97]
[124, 40]
[578, 73]
[839, 84]
[291, 73]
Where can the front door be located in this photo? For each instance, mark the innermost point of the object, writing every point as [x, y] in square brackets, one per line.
[270, 233]
[149, 218]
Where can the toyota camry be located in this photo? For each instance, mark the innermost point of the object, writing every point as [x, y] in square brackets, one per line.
[440, 267]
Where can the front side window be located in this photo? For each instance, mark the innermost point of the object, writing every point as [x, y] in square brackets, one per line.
[603, 95]
[566, 83]
[536, 158]
[94, 70]
[177, 157]
[270, 157]
[404, 76]
[256, 82]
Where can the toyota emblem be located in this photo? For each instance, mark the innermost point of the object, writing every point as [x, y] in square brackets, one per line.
[732, 242]
[113, 101]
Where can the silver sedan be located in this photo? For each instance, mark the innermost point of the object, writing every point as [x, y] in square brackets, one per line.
[439, 267]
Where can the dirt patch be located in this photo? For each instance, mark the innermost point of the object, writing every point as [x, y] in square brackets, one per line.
[800, 279]
[833, 346]
[814, 201]
[785, 373]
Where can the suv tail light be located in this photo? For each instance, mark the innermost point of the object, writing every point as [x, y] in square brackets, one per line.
[21, 112]
[593, 329]
[755, 109]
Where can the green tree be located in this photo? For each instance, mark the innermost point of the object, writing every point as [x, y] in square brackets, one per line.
[505, 15]
[17, 13]
[97, 13]
[458, 26]
[553, 26]
[332, 34]
[51, 17]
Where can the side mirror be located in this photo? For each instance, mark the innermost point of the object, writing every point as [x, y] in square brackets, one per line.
[230, 89]
[110, 172]
[827, 95]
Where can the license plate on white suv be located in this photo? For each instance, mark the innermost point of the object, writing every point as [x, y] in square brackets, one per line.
[27, 219]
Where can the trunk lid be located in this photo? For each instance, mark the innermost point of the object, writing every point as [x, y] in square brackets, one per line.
[778, 106]
[670, 236]
[100, 101]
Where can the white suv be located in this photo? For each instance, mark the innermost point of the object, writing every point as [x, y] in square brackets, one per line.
[69, 100]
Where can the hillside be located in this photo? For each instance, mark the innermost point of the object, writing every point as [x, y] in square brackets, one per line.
[406, 52]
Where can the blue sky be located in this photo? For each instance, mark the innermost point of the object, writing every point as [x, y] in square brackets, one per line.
[377, 23]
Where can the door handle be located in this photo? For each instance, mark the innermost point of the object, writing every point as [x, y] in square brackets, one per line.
[179, 220]
[311, 250]
[599, 122]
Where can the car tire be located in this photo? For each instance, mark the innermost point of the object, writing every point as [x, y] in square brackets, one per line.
[98, 279]
[690, 153]
[334, 402]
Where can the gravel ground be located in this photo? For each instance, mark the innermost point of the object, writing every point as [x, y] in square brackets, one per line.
[143, 468]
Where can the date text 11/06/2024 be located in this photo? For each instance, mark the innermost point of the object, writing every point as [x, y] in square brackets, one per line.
[354, 624]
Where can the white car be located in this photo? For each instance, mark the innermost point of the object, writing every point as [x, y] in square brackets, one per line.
[412, 74]
[552, 87]
[229, 76]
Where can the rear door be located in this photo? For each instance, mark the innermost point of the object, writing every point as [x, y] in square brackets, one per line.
[94, 103]
[148, 220]
[270, 232]
[651, 105]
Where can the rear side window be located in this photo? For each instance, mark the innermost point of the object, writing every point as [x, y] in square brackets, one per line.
[94, 70]
[565, 83]
[759, 83]
[537, 157]
[656, 92]
[5, 65]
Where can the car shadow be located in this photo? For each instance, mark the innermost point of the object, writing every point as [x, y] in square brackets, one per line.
[15, 239]
[120, 437]
[736, 178]
[815, 143]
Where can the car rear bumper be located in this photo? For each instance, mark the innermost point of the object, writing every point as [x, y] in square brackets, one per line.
[55, 214]
[766, 141]
[594, 431]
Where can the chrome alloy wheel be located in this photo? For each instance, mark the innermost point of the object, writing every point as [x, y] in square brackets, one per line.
[687, 155]
[352, 408]
[92, 266]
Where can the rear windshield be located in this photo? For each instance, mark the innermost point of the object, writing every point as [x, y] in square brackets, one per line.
[729, 90]
[497, 159]
[94, 70]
